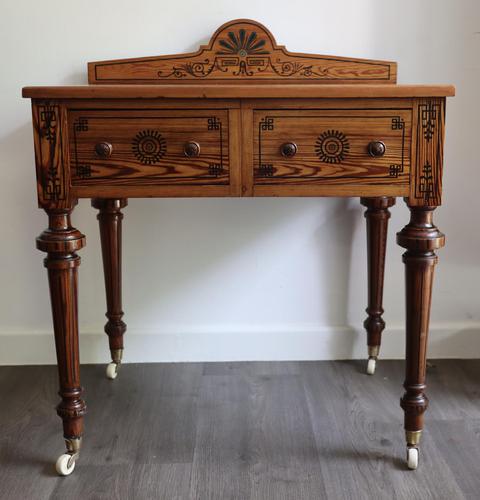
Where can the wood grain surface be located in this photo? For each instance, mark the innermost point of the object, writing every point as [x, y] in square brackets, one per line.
[148, 147]
[242, 50]
[50, 138]
[420, 237]
[61, 241]
[246, 90]
[239, 155]
[110, 218]
[428, 137]
[377, 216]
[332, 146]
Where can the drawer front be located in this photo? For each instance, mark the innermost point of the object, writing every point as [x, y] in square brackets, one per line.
[149, 147]
[343, 146]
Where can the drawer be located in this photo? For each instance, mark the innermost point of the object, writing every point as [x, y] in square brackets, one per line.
[344, 146]
[170, 147]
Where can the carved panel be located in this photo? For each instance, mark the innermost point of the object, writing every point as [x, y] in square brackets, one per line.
[49, 120]
[426, 186]
[332, 146]
[148, 147]
[242, 50]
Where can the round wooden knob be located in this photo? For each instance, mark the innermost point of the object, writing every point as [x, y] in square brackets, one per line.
[288, 149]
[191, 149]
[376, 148]
[103, 149]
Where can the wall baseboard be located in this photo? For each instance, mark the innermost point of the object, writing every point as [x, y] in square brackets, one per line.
[251, 344]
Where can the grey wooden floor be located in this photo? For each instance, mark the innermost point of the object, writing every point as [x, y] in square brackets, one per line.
[290, 430]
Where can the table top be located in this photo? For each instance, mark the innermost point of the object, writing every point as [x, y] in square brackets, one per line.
[236, 91]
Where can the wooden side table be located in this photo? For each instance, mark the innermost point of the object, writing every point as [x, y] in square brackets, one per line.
[242, 116]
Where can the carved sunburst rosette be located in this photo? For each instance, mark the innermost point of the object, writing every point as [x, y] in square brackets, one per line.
[332, 146]
[149, 146]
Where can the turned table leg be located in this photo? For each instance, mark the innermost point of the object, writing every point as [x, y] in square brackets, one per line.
[61, 241]
[377, 215]
[421, 238]
[110, 222]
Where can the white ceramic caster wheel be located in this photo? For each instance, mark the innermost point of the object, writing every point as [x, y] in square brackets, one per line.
[65, 464]
[371, 364]
[112, 371]
[412, 458]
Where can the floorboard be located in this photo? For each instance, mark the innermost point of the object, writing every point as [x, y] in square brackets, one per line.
[243, 431]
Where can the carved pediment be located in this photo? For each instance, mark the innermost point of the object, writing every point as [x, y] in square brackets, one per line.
[240, 51]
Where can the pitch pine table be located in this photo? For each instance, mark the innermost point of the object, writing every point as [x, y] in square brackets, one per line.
[242, 116]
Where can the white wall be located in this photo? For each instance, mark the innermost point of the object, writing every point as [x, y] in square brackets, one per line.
[238, 278]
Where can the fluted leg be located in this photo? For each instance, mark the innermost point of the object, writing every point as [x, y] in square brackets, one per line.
[421, 238]
[377, 215]
[110, 222]
[61, 241]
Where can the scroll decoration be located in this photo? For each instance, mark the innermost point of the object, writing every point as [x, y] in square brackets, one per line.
[239, 62]
[242, 49]
[246, 53]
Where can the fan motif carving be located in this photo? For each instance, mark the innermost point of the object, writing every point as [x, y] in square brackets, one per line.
[239, 50]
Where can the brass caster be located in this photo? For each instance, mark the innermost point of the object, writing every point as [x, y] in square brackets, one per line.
[65, 463]
[412, 457]
[112, 370]
[114, 366]
[371, 365]
[373, 352]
